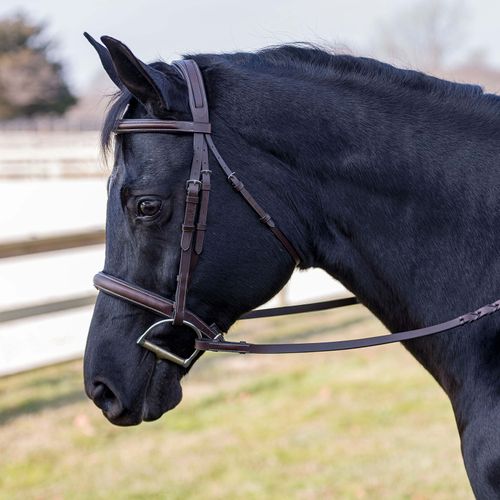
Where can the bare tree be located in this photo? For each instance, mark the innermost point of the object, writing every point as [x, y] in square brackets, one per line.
[31, 82]
[426, 35]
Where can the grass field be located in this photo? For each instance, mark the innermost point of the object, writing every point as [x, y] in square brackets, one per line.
[362, 424]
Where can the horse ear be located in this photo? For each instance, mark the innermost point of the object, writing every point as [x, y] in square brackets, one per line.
[105, 58]
[149, 86]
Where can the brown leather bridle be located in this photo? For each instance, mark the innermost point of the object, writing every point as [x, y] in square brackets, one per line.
[210, 337]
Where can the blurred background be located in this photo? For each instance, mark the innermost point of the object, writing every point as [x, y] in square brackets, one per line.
[350, 425]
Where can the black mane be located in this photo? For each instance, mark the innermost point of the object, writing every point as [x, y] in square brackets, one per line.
[310, 61]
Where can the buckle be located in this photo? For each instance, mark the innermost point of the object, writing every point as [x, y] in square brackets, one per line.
[193, 181]
[163, 353]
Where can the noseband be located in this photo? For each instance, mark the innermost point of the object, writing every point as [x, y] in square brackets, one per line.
[210, 337]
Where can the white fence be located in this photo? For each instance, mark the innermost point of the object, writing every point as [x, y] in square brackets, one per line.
[50, 247]
[43, 154]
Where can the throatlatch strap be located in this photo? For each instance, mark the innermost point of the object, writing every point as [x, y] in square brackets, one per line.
[264, 217]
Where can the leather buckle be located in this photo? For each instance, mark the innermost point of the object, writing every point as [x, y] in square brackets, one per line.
[193, 181]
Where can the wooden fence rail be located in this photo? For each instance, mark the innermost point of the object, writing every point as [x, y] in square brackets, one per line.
[43, 308]
[17, 248]
[49, 244]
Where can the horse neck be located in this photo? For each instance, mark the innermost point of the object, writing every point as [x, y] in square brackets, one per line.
[401, 208]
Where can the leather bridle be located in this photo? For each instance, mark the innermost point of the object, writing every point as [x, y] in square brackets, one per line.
[210, 337]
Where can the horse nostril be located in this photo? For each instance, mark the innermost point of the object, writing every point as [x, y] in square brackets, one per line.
[106, 400]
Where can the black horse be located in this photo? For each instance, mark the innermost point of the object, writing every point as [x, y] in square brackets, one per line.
[385, 178]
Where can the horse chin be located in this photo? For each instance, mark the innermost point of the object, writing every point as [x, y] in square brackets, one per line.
[164, 391]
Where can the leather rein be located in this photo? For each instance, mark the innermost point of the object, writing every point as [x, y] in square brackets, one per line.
[210, 337]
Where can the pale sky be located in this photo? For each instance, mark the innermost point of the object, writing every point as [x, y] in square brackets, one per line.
[166, 28]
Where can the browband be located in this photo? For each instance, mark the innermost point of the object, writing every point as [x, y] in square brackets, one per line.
[149, 125]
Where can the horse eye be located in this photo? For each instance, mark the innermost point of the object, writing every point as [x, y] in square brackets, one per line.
[148, 207]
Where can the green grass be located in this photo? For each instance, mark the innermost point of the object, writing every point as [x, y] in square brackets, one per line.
[361, 424]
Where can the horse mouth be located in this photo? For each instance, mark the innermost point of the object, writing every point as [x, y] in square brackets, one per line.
[161, 393]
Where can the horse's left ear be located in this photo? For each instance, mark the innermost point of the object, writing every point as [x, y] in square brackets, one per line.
[151, 87]
[105, 58]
